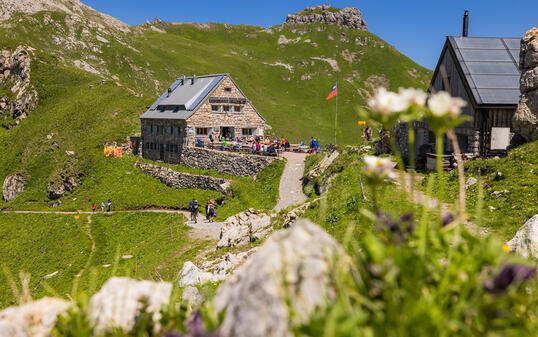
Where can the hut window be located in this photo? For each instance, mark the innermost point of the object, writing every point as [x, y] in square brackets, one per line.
[201, 131]
[228, 89]
[238, 108]
[248, 131]
[215, 108]
[176, 131]
[226, 108]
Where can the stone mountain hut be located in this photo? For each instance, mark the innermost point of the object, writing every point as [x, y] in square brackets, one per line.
[196, 107]
[484, 71]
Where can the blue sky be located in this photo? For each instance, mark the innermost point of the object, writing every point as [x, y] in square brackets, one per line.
[416, 28]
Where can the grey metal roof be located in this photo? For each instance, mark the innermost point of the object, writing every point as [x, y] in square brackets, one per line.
[183, 97]
[490, 66]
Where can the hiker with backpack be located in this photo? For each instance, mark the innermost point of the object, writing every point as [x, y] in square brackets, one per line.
[211, 213]
[193, 207]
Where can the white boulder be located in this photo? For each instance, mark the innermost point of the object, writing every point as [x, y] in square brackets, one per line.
[191, 275]
[254, 297]
[192, 296]
[243, 228]
[525, 242]
[119, 302]
[34, 319]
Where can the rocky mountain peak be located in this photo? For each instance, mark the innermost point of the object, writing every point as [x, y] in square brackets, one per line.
[350, 17]
[70, 7]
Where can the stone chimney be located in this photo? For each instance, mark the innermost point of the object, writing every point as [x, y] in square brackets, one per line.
[525, 120]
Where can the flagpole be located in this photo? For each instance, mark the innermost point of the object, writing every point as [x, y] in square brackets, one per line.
[336, 110]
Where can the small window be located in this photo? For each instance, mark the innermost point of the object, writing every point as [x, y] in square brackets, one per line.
[228, 89]
[248, 131]
[167, 147]
[176, 130]
[238, 108]
[201, 131]
[215, 108]
[226, 108]
[161, 108]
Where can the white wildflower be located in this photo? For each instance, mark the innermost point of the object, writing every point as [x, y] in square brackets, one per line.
[413, 96]
[387, 103]
[442, 104]
[378, 167]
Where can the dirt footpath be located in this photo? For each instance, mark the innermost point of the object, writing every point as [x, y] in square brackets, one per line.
[291, 188]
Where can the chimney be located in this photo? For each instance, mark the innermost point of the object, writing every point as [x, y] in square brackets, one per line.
[169, 91]
[465, 32]
[193, 79]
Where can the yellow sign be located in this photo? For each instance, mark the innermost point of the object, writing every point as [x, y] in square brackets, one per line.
[361, 123]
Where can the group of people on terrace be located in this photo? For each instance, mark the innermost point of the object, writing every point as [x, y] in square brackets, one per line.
[258, 144]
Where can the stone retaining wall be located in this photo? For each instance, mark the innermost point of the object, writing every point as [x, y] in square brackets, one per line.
[241, 165]
[175, 179]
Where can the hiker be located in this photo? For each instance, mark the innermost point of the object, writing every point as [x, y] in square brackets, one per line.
[207, 210]
[211, 211]
[193, 207]
[102, 206]
[312, 140]
[253, 147]
[368, 132]
[258, 147]
[109, 204]
[211, 137]
[94, 207]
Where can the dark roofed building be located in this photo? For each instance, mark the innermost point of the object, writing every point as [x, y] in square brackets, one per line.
[197, 107]
[484, 71]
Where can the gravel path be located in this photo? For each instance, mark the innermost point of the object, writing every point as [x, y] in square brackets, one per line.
[291, 188]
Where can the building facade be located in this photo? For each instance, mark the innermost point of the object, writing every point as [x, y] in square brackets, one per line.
[197, 107]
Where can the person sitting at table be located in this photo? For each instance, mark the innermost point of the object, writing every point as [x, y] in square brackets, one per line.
[199, 142]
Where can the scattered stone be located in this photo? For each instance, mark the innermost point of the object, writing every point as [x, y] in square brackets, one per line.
[119, 302]
[70, 153]
[192, 296]
[349, 17]
[49, 136]
[470, 182]
[107, 265]
[525, 120]
[55, 204]
[127, 257]
[46, 277]
[243, 228]
[34, 319]
[525, 242]
[13, 186]
[491, 208]
[499, 193]
[191, 275]
[498, 176]
[256, 298]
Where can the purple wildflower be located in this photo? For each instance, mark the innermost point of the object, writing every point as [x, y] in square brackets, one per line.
[447, 219]
[509, 274]
[395, 227]
[195, 328]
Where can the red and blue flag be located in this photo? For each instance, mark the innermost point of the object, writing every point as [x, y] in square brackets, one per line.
[333, 92]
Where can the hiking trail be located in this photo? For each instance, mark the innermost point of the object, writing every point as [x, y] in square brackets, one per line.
[291, 187]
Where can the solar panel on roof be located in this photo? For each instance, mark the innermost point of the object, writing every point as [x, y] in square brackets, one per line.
[513, 43]
[490, 67]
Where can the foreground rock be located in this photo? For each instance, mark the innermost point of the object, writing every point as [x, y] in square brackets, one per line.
[525, 120]
[525, 242]
[192, 296]
[243, 228]
[15, 74]
[253, 298]
[13, 186]
[119, 302]
[311, 181]
[349, 17]
[34, 319]
[191, 275]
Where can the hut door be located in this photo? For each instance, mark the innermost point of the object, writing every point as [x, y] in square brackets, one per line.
[161, 151]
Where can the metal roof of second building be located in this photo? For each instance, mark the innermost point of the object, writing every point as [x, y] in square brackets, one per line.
[490, 66]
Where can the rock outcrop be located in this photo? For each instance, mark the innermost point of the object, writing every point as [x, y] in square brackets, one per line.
[243, 228]
[13, 186]
[64, 180]
[34, 319]
[121, 299]
[525, 120]
[525, 242]
[349, 17]
[178, 180]
[17, 96]
[192, 296]
[191, 275]
[293, 268]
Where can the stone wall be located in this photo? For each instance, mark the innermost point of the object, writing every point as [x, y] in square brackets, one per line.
[525, 120]
[206, 118]
[162, 139]
[175, 179]
[241, 165]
